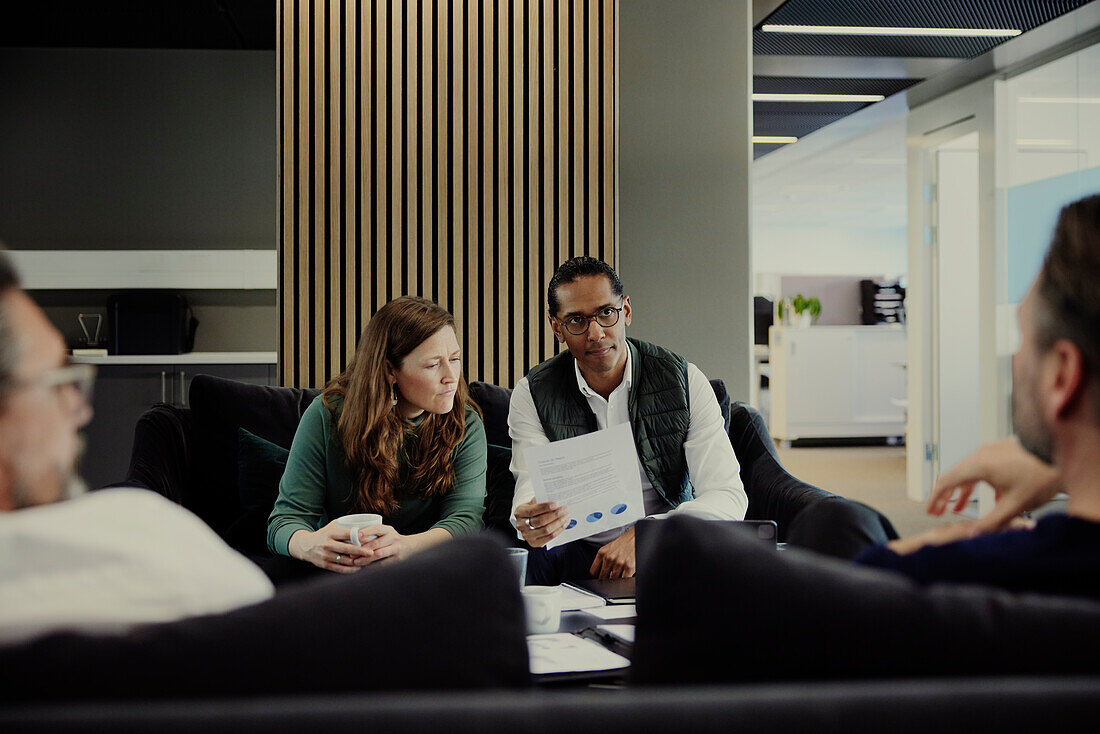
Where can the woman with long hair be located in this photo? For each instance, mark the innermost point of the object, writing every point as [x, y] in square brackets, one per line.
[395, 434]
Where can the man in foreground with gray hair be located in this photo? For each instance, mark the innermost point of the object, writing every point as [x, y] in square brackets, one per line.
[104, 561]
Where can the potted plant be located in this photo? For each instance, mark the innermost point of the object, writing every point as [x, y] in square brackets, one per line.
[805, 310]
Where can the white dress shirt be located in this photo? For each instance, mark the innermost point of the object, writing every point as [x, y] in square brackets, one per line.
[114, 558]
[712, 465]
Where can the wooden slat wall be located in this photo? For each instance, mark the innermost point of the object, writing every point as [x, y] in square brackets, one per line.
[457, 150]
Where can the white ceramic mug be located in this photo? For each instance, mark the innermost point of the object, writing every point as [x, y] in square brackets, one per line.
[543, 607]
[354, 522]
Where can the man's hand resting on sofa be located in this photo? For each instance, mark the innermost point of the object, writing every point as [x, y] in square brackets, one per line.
[1020, 480]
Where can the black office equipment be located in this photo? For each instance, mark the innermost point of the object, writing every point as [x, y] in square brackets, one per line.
[150, 322]
[881, 303]
[763, 316]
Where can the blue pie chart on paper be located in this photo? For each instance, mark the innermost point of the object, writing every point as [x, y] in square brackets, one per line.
[618, 509]
[595, 516]
[572, 524]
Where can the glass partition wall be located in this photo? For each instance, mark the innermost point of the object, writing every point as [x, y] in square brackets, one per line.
[1048, 155]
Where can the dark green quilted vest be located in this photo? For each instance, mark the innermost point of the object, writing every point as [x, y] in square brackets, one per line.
[658, 408]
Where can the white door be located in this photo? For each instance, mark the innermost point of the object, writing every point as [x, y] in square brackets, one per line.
[955, 297]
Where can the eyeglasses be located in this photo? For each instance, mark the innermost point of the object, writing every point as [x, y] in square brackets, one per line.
[607, 317]
[78, 377]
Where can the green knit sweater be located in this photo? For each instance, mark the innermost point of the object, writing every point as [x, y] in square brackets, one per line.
[316, 487]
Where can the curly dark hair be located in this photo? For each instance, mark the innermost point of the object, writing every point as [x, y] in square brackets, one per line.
[579, 267]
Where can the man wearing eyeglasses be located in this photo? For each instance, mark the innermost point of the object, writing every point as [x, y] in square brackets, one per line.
[603, 380]
[96, 562]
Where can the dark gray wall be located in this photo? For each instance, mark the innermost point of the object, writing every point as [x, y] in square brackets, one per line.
[143, 149]
[685, 128]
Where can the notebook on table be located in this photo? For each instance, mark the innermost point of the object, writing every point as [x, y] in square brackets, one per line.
[613, 591]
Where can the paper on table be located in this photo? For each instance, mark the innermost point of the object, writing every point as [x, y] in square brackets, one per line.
[614, 611]
[562, 652]
[573, 599]
[622, 631]
[596, 475]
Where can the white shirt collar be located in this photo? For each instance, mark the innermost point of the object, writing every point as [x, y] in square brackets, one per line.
[628, 375]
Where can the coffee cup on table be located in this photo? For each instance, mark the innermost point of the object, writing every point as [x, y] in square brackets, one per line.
[543, 607]
[354, 523]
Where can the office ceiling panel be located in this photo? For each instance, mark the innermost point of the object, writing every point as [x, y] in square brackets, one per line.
[789, 44]
[211, 24]
[798, 123]
[797, 51]
[1022, 14]
[817, 85]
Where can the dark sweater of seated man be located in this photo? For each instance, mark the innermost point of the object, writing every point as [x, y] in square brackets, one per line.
[1060, 556]
[1056, 411]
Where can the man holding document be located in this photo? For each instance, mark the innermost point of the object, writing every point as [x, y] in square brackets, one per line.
[658, 442]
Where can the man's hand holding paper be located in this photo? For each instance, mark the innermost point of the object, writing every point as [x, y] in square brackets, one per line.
[593, 478]
[540, 522]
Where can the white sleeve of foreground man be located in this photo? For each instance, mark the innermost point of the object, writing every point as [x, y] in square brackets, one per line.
[112, 559]
[712, 464]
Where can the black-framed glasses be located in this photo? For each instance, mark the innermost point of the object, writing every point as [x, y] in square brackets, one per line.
[606, 317]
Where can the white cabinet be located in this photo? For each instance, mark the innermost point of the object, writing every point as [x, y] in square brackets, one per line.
[837, 381]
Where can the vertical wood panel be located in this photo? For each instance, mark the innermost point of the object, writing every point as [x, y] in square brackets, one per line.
[533, 303]
[426, 112]
[336, 300]
[353, 74]
[288, 179]
[444, 296]
[410, 160]
[549, 236]
[303, 283]
[610, 123]
[473, 182]
[454, 149]
[517, 305]
[319, 252]
[379, 91]
[487, 325]
[458, 179]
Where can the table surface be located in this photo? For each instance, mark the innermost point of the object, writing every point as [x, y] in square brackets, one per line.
[575, 621]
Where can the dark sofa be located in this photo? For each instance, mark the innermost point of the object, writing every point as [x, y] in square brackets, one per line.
[195, 456]
[737, 639]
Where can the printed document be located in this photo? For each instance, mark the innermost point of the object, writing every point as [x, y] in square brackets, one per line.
[561, 652]
[595, 475]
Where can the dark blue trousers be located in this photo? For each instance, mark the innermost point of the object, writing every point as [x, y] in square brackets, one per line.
[569, 562]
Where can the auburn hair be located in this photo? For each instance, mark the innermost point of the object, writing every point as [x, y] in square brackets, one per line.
[370, 427]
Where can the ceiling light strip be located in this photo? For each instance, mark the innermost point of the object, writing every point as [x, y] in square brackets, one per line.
[1044, 142]
[769, 97]
[782, 139]
[1059, 100]
[840, 30]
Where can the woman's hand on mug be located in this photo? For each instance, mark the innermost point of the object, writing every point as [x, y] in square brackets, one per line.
[329, 548]
[540, 522]
[388, 544]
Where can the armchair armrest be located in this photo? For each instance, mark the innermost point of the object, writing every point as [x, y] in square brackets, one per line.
[161, 457]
